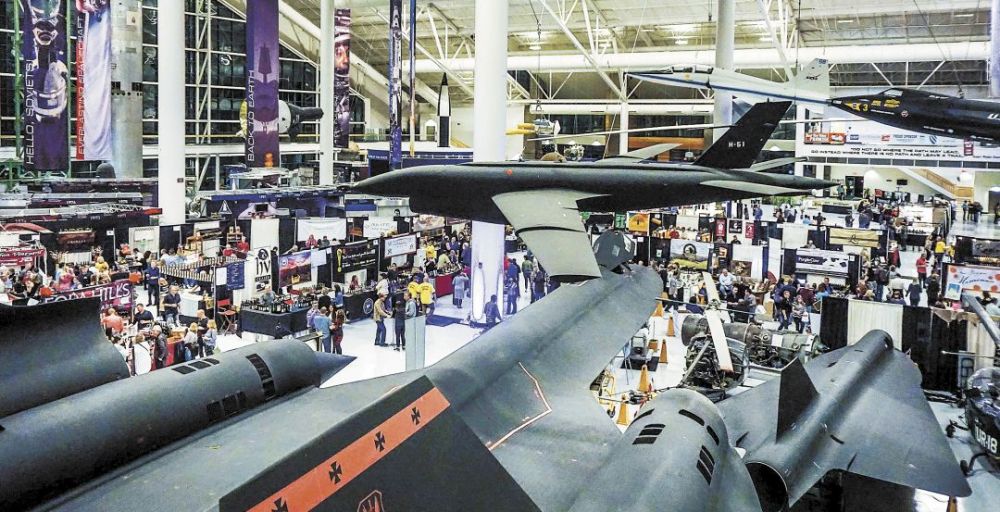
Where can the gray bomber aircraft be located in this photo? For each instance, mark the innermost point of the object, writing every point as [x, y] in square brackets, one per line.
[506, 423]
[541, 200]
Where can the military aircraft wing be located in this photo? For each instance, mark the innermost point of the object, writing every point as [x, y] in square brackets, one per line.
[640, 154]
[522, 389]
[549, 222]
[827, 414]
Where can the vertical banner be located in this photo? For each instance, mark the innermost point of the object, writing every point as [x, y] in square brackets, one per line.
[46, 86]
[262, 84]
[342, 78]
[93, 81]
[413, 75]
[395, 83]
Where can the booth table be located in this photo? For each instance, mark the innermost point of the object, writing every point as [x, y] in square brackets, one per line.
[358, 306]
[276, 325]
[442, 284]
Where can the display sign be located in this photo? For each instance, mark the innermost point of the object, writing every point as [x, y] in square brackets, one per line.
[970, 278]
[427, 222]
[858, 138]
[116, 294]
[750, 230]
[855, 237]
[814, 261]
[985, 248]
[639, 223]
[741, 268]
[261, 145]
[294, 268]
[735, 226]
[236, 275]
[689, 254]
[354, 257]
[377, 227]
[262, 272]
[46, 86]
[395, 76]
[16, 257]
[399, 246]
[342, 77]
[331, 228]
[93, 81]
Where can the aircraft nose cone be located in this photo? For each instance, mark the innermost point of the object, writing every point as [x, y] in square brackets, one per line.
[331, 364]
[803, 183]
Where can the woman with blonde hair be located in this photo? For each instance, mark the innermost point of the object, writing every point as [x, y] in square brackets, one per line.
[190, 342]
[210, 338]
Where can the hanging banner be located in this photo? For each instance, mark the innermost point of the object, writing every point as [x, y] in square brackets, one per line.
[395, 83]
[342, 78]
[116, 294]
[261, 147]
[93, 81]
[236, 275]
[46, 86]
[17, 257]
[413, 75]
[967, 278]
[815, 261]
[399, 246]
[262, 274]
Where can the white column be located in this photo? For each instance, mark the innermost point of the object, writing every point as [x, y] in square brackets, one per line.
[489, 141]
[623, 135]
[326, 93]
[725, 41]
[995, 49]
[170, 110]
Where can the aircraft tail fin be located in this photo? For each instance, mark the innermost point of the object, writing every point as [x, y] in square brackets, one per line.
[815, 77]
[795, 395]
[408, 450]
[741, 144]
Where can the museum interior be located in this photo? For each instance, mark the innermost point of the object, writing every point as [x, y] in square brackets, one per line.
[500, 255]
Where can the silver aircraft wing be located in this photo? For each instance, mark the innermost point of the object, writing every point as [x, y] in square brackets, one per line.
[549, 223]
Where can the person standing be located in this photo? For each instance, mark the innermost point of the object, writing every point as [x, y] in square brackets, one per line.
[153, 284]
[171, 305]
[159, 343]
[933, 289]
[379, 315]
[491, 312]
[321, 324]
[189, 345]
[399, 318]
[142, 355]
[527, 267]
[460, 286]
[427, 297]
[143, 317]
[337, 331]
[511, 293]
[112, 323]
[922, 270]
[913, 292]
[211, 338]
[965, 211]
[799, 314]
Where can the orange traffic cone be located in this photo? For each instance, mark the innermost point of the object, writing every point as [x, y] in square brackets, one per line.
[670, 326]
[658, 312]
[663, 352]
[952, 504]
[660, 303]
[623, 418]
[654, 344]
[644, 379]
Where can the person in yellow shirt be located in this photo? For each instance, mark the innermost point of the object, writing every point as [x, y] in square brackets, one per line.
[414, 289]
[426, 290]
[430, 252]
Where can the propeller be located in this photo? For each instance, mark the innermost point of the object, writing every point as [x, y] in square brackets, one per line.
[715, 328]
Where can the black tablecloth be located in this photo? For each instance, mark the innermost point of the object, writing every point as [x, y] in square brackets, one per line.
[277, 325]
[359, 306]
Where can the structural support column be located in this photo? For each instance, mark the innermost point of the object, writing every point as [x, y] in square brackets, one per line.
[489, 141]
[170, 111]
[326, 93]
[995, 49]
[725, 42]
[623, 123]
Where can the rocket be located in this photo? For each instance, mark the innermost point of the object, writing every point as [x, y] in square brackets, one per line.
[444, 114]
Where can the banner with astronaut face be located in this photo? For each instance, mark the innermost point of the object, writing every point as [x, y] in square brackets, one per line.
[395, 83]
[342, 78]
[93, 80]
[46, 85]
[262, 84]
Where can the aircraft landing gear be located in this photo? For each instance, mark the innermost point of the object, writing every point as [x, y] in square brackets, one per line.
[966, 466]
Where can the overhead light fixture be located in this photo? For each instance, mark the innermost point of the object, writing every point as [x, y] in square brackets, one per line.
[534, 47]
[848, 20]
[681, 42]
[965, 15]
[684, 27]
[765, 39]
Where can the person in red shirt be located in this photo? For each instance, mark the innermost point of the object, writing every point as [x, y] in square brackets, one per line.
[922, 270]
[112, 323]
[243, 245]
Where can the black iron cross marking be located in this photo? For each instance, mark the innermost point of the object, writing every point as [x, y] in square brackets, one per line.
[415, 416]
[335, 472]
[380, 441]
[280, 505]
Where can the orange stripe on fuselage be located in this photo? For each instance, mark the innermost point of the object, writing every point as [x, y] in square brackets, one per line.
[316, 485]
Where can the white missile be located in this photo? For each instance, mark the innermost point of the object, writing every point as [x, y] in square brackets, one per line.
[811, 85]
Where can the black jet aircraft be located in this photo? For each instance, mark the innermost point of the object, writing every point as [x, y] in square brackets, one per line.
[541, 200]
[509, 423]
[927, 112]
